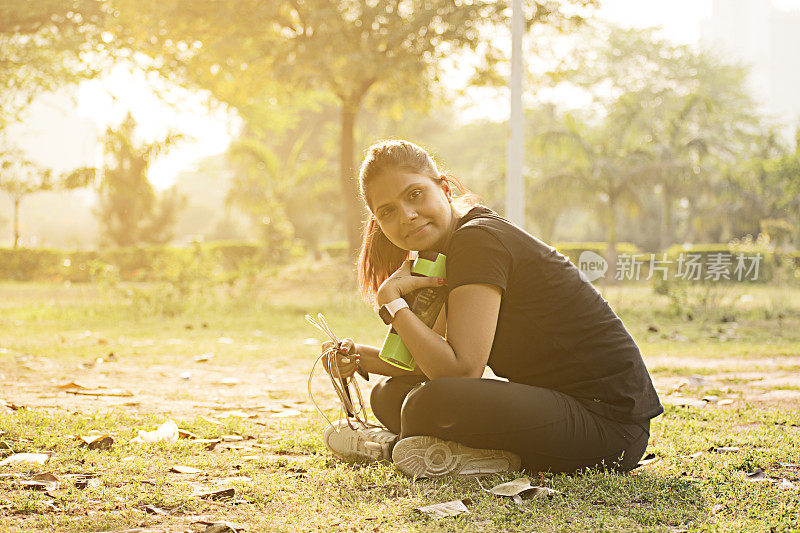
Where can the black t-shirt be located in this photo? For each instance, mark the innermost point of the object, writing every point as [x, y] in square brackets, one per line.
[554, 330]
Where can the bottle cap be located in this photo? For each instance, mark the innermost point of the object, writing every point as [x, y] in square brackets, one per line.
[429, 264]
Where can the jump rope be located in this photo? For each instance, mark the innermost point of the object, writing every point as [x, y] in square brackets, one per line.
[425, 303]
[344, 386]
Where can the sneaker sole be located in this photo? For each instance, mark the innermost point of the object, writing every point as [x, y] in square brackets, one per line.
[426, 456]
[361, 450]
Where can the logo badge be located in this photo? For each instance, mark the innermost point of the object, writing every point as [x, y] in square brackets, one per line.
[591, 266]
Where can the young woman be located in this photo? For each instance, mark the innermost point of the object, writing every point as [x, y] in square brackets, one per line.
[578, 394]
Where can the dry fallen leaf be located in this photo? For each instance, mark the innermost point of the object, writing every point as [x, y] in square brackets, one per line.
[120, 393]
[151, 509]
[210, 420]
[757, 475]
[451, 508]
[284, 413]
[231, 438]
[168, 431]
[10, 405]
[97, 442]
[183, 434]
[511, 488]
[210, 443]
[217, 494]
[45, 481]
[520, 489]
[221, 527]
[236, 414]
[693, 381]
[684, 402]
[17, 458]
[83, 481]
[647, 459]
[180, 469]
[71, 385]
[724, 449]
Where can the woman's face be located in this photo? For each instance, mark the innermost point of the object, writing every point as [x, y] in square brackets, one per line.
[413, 211]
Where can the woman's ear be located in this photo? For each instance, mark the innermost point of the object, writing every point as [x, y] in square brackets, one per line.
[446, 187]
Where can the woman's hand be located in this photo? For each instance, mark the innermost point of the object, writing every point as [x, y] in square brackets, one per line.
[402, 282]
[346, 358]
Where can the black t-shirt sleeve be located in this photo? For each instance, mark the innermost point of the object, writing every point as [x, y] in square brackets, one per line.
[476, 256]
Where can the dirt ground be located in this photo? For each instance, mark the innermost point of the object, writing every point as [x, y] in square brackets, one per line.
[189, 388]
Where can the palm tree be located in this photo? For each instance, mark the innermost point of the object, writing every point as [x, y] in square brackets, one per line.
[597, 164]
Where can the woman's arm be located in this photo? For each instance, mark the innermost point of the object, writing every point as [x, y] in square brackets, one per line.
[375, 365]
[471, 323]
[369, 358]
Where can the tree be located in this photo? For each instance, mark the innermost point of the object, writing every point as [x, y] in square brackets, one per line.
[387, 53]
[45, 44]
[685, 111]
[765, 189]
[596, 163]
[130, 211]
[20, 177]
[283, 189]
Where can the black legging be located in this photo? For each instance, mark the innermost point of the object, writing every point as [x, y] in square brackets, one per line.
[549, 430]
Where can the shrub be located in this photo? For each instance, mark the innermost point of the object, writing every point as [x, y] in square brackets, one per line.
[334, 250]
[145, 263]
[573, 250]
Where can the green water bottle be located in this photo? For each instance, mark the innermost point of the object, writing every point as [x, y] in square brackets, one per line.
[426, 303]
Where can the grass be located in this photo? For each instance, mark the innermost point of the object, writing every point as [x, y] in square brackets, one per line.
[284, 480]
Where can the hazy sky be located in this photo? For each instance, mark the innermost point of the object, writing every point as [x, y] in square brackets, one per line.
[107, 101]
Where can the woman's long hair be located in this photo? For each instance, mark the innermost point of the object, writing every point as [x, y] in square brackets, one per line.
[379, 257]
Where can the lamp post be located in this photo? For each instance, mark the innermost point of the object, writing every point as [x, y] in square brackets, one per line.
[515, 156]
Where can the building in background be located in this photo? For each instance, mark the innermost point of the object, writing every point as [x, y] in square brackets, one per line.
[767, 38]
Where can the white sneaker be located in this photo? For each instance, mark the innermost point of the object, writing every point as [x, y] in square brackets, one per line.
[359, 444]
[425, 456]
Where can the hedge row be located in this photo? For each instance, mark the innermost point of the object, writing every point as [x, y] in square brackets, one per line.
[145, 263]
[701, 263]
[131, 264]
[573, 250]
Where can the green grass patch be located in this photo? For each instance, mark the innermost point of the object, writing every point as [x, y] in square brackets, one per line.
[285, 480]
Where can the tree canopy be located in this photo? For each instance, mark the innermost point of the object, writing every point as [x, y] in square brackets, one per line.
[45, 44]
[387, 53]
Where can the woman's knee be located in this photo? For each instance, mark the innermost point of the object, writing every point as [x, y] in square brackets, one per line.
[378, 393]
[390, 393]
[431, 407]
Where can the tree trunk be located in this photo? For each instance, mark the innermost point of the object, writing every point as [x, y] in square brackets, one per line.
[548, 228]
[16, 222]
[352, 208]
[611, 250]
[666, 219]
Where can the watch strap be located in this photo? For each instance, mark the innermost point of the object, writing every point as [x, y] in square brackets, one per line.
[388, 311]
